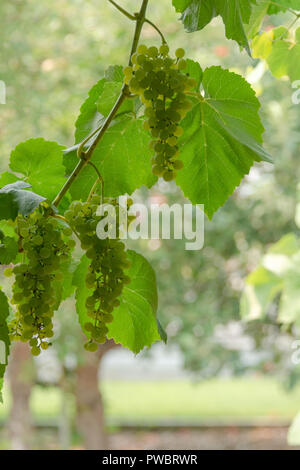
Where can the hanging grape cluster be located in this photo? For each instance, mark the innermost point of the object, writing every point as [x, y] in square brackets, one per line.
[108, 260]
[161, 83]
[45, 248]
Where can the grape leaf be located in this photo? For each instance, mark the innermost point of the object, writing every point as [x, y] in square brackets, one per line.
[7, 178]
[8, 250]
[278, 273]
[221, 141]
[40, 161]
[261, 289]
[122, 157]
[4, 337]
[109, 96]
[89, 118]
[135, 324]
[14, 199]
[257, 16]
[281, 52]
[283, 5]
[194, 71]
[196, 14]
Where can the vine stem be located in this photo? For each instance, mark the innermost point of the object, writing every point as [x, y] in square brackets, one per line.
[122, 10]
[140, 20]
[156, 29]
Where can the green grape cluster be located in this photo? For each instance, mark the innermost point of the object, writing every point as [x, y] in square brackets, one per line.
[161, 83]
[46, 247]
[108, 260]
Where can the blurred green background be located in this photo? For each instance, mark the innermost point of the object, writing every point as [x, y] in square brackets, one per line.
[52, 53]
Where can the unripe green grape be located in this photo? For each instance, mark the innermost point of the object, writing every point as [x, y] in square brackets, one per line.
[37, 240]
[140, 75]
[155, 132]
[8, 272]
[127, 71]
[169, 175]
[181, 64]
[172, 141]
[164, 49]
[180, 53]
[33, 342]
[45, 252]
[146, 126]
[89, 326]
[133, 58]
[178, 165]
[134, 84]
[158, 147]
[67, 232]
[24, 232]
[178, 132]
[91, 347]
[158, 170]
[35, 351]
[152, 51]
[142, 49]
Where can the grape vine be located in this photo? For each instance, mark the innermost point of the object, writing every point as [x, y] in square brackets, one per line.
[159, 116]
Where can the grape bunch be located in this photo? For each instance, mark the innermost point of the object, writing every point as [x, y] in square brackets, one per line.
[161, 83]
[108, 260]
[46, 247]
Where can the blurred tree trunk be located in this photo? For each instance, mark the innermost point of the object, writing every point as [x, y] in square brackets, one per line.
[21, 378]
[89, 402]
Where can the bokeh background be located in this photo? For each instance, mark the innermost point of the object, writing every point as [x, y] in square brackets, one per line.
[219, 383]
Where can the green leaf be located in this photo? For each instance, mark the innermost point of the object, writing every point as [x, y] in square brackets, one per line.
[262, 286]
[221, 141]
[257, 16]
[8, 250]
[114, 73]
[181, 5]
[4, 337]
[135, 324]
[122, 157]
[283, 5]
[278, 273]
[281, 52]
[89, 118]
[7, 178]
[162, 332]
[196, 14]
[14, 199]
[109, 96]
[40, 161]
[289, 309]
[287, 245]
[194, 71]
